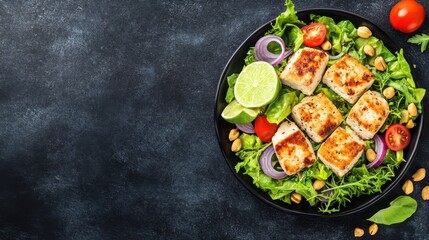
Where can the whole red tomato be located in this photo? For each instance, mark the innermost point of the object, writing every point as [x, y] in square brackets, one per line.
[407, 16]
[264, 129]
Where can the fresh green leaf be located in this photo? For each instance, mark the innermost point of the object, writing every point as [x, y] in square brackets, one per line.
[401, 69]
[287, 17]
[294, 35]
[230, 92]
[250, 56]
[422, 40]
[250, 141]
[399, 210]
[281, 107]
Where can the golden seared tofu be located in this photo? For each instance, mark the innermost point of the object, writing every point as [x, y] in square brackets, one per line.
[368, 115]
[293, 149]
[341, 151]
[305, 69]
[317, 116]
[348, 78]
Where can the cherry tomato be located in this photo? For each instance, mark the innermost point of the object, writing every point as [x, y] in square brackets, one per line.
[397, 137]
[264, 129]
[314, 34]
[407, 16]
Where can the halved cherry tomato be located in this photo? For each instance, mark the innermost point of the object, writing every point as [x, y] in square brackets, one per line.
[397, 137]
[264, 129]
[407, 16]
[314, 34]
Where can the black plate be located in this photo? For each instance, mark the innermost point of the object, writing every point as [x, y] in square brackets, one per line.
[235, 65]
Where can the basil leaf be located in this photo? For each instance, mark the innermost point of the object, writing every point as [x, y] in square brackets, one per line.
[400, 210]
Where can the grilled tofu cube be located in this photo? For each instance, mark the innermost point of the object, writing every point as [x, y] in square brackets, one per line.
[348, 78]
[317, 116]
[341, 151]
[293, 149]
[305, 69]
[368, 115]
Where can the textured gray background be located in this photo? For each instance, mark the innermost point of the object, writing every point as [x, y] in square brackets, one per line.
[106, 123]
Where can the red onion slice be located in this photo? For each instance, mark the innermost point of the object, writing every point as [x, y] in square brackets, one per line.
[336, 56]
[380, 149]
[267, 168]
[247, 128]
[263, 54]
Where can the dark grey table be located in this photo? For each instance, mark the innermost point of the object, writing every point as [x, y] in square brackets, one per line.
[106, 123]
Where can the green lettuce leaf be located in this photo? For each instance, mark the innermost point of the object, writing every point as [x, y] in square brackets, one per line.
[231, 83]
[281, 107]
[287, 17]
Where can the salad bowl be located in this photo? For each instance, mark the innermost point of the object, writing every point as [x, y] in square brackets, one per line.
[222, 128]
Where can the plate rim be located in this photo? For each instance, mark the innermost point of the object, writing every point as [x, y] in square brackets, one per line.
[377, 196]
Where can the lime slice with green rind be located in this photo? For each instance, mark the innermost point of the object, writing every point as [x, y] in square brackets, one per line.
[236, 113]
[257, 85]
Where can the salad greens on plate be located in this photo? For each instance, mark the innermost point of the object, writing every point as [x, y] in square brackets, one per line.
[343, 38]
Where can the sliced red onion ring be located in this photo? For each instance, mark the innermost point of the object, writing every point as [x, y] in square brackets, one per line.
[263, 54]
[336, 56]
[267, 168]
[380, 149]
[247, 128]
[326, 194]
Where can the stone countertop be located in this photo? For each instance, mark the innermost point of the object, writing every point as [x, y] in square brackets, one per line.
[106, 127]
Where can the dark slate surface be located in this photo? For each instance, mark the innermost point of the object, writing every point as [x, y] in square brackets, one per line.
[106, 123]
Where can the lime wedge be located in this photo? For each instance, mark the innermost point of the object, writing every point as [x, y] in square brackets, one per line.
[235, 113]
[257, 85]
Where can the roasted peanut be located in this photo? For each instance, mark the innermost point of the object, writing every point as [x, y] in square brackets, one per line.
[233, 134]
[425, 193]
[370, 155]
[326, 45]
[419, 175]
[373, 229]
[236, 145]
[364, 32]
[359, 232]
[389, 92]
[318, 184]
[412, 109]
[408, 187]
[369, 50]
[405, 116]
[295, 197]
[380, 64]
[410, 124]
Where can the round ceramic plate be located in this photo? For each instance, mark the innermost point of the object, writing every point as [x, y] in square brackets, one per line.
[235, 65]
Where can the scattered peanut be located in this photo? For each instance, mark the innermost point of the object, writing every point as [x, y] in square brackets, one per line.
[412, 109]
[318, 184]
[408, 187]
[370, 155]
[405, 116]
[359, 232]
[419, 175]
[373, 229]
[369, 50]
[236, 145]
[326, 46]
[364, 32]
[295, 197]
[233, 134]
[389, 92]
[410, 124]
[380, 64]
[425, 193]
